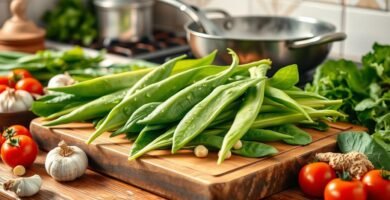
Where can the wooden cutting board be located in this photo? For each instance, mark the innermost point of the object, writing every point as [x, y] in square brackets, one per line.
[183, 176]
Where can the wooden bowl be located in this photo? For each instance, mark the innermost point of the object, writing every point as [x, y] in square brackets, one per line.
[22, 118]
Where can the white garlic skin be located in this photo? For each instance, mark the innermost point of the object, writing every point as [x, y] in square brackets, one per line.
[66, 168]
[15, 101]
[60, 80]
[25, 187]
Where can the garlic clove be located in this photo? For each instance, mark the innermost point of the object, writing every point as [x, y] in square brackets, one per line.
[24, 187]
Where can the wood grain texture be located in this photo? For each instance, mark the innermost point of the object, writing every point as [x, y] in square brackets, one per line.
[183, 176]
[91, 186]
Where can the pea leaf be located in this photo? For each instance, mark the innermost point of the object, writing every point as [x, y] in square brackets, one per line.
[286, 77]
[301, 137]
[362, 142]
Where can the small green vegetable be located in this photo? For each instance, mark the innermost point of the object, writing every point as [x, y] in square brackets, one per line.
[132, 124]
[174, 108]
[281, 97]
[263, 135]
[300, 137]
[96, 108]
[201, 115]
[247, 113]
[248, 149]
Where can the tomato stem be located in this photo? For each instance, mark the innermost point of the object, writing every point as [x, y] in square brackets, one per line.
[14, 142]
[385, 174]
[344, 175]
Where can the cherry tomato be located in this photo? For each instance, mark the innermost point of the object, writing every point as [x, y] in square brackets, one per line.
[377, 183]
[3, 88]
[19, 74]
[19, 150]
[16, 130]
[339, 189]
[313, 178]
[30, 85]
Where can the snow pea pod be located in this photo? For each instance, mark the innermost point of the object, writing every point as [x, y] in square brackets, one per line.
[174, 108]
[151, 140]
[93, 109]
[131, 124]
[247, 113]
[281, 97]
[108, 84]
[263, 135]
[264, 120]
[204, 113]
[156, 92]
[248, 149]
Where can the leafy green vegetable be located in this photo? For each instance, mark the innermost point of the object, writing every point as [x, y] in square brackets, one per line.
[301, 137]
[365, 91]
[286, 77]
[71, 21]
[376, 148]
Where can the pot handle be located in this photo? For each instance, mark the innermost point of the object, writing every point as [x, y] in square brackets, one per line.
[321, 39]
[195, 14]
[228, 18]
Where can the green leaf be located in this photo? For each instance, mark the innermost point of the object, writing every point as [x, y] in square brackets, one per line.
[286, 77]
[362, 142]
[301, 137]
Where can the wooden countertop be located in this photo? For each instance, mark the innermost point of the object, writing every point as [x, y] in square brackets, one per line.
[94, 186]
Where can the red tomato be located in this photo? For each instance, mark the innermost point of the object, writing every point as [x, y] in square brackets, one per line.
[2, 140]
[18, 74]
[339, 189]
[4, 80]
[19, 150]
[313, 178]
[16, 130]
[377, 183]
[30, 85]
[3, 88]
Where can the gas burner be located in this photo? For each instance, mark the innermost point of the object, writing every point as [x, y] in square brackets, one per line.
[164, 44]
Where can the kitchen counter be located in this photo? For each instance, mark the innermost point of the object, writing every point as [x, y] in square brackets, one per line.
[94, 186]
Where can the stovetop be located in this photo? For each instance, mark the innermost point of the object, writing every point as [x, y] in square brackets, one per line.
[163, 46]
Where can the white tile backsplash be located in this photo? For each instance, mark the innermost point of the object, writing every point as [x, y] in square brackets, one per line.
[364, 27]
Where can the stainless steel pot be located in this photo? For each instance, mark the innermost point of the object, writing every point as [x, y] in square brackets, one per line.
[285, 40]
[124, 20]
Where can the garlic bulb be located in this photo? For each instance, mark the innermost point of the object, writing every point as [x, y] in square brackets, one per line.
[60, 80]
[66, 163]
[15, 101]
[24, 187]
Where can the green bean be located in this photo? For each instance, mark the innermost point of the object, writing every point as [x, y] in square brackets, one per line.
[148, 141]
[174, 108]
[131, 124]
[248, 112]
[53, 103]
[274, 119]
[95, 108]
[13, 55]
[303, 94]
[282, 98]
[248, 149]
[300, 137]
[62, 112]
[317, 103]
[203, 114]
[111, 83]
[156, 92]
[263, 135]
